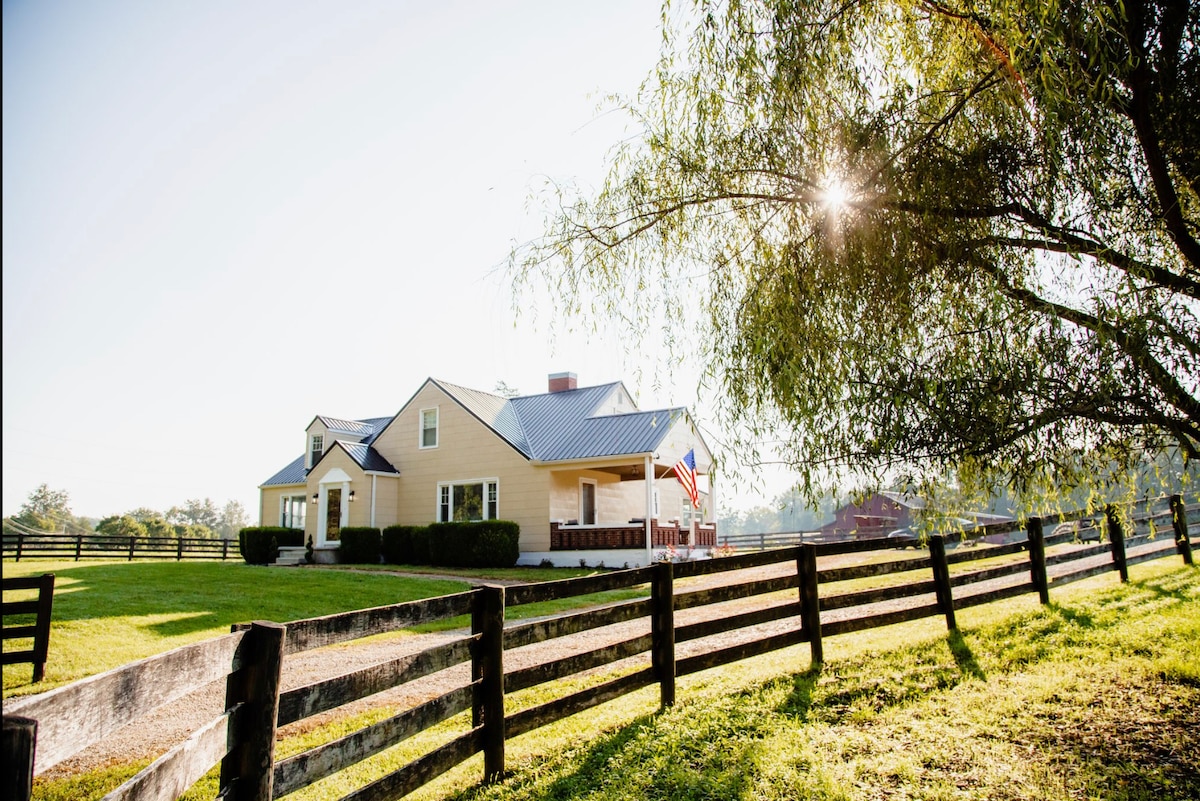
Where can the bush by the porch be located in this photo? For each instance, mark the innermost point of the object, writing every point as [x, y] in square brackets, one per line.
[360, 545]
[487, 543]
[259, 545]
[406, 545]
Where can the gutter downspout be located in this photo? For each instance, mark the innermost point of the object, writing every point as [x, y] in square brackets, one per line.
[649, 461]
[374, 485]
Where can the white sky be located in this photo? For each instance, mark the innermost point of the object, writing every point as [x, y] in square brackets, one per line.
[223, 218]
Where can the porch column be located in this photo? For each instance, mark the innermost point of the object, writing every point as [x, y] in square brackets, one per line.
[649, 459]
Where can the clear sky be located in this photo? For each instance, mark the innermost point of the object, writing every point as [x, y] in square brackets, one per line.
[223, 218]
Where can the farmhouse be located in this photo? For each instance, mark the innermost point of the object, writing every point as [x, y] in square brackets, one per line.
[583, 471]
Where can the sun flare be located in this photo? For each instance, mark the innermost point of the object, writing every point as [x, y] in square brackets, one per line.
[835, 195]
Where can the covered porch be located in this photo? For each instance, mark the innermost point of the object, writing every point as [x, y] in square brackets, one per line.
[631, 535]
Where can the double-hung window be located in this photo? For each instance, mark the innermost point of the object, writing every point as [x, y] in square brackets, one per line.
[318, 447]
[429, 428]
[292, 509]
[468, 501]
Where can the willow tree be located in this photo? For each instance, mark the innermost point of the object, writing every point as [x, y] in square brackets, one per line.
[922, 235]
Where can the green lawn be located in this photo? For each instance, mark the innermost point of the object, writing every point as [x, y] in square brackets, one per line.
[108, 614]
[1093, 697]
[1096, 696]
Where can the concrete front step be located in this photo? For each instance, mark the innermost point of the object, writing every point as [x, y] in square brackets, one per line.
[291, 556]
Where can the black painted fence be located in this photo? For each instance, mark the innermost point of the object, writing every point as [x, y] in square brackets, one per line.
[18, 545]
[55, 725]
[17, 626]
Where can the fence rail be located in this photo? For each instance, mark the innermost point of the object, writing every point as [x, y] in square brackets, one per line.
[41, 608]
[70, 718]
[23, 544]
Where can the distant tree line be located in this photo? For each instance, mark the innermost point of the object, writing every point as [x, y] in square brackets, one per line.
[48, 509]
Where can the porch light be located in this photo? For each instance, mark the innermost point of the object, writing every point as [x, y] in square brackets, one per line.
[351, 496]
[315, 497]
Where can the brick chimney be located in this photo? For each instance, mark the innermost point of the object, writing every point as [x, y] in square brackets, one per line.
[561, 382]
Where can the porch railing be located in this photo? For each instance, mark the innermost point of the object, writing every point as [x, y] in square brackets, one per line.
[568, 537]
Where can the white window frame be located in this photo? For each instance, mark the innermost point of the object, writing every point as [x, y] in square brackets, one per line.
[421, 429]
[445, 498]
[289, 503]
[316, 447]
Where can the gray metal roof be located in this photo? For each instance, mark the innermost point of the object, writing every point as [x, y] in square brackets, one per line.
[368, 458]
[294, 473]
[357, 427]
[613, 435]
[550, 427]
[560, 426]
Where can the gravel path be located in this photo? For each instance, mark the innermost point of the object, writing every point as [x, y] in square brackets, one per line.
[154, 734]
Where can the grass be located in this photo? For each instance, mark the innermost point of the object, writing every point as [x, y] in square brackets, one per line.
[1094, 696]
[111, 613]
[107, 614]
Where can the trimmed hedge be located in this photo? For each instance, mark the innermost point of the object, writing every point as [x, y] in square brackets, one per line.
[488, 543]
[259, 545]
[360, 545]
[406, 545]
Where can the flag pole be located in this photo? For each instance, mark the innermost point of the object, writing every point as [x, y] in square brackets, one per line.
[649, 508]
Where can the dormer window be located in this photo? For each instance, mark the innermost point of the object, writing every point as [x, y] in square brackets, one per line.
[429, 428]
[318, 447]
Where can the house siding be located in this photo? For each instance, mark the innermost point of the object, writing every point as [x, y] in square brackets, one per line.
[268, 505]
[358, 512]
[467, 450]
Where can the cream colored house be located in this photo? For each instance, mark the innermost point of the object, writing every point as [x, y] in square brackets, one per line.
[583, 471]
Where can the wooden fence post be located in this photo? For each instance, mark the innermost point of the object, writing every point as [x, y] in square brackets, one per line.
[662, 630]
[78, 546]
[20, 543]
[248, 770]
[132, 540]
[224, 549]
[941, 578]
[1183, 545]
[810, 602]
[1116, 536]
[179, 549]
[487, 665]
[17, 745]
[41, 636]
[1037, 558]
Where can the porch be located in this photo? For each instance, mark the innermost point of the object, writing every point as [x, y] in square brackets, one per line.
[631, 535]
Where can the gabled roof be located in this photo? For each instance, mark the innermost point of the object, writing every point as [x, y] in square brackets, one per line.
[362, 453]
[563, 426]
[904, 499]
[359, 428]
[550, 427]
[367, 457]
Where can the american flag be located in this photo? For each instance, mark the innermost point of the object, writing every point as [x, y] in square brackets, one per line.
[685, 471]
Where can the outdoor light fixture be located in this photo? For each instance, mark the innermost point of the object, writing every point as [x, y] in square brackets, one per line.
[352, 496]
[316, 497]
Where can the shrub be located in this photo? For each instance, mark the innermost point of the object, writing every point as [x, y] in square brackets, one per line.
[406, 545]
[489, 543]
[259, 545]
[289, 537]
[421, 537]
[360, 545]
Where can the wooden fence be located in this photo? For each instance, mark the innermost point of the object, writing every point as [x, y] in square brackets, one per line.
[62, 722]
[38, 631]
[18, 544]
